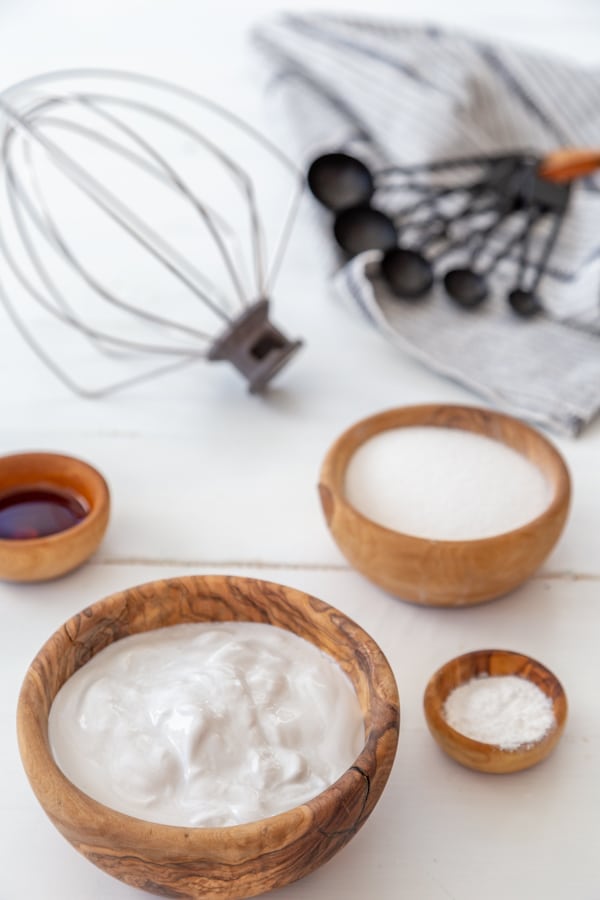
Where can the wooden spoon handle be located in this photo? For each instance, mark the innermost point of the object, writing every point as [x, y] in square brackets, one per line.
[569, 163]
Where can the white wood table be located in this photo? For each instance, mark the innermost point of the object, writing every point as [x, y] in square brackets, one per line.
[207, 479]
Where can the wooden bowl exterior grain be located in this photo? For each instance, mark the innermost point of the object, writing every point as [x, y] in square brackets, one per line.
[476, 754]
[225, 863]
[435, 572]
[40, 559]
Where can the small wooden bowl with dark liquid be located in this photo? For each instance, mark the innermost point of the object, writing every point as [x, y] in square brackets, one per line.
[53, 514]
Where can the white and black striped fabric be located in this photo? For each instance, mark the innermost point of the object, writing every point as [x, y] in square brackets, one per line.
[391, 94]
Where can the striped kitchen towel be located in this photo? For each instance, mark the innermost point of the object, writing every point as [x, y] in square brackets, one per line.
[391, 94]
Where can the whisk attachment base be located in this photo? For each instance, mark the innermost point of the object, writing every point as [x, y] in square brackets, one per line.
[254, 346]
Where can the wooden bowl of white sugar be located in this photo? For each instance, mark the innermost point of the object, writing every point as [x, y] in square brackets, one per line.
[495, 710]
[444, 505]
[185, 726]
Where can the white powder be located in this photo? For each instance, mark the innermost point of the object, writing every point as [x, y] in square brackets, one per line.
[444, 483]
[503, 710]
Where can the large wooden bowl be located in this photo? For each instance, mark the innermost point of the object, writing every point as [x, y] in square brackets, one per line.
[39, 559]
[225, 863]
[477, 754]
[438, 572]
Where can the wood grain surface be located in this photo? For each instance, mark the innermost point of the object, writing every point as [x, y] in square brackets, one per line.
[435, 572]
[233, 862]
[476, 754]
[39, 559]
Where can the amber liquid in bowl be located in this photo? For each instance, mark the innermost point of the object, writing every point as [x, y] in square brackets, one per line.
[37, 511]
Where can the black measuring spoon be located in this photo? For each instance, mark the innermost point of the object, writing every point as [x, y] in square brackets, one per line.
[362, 227]
[408, 274]
[345, 186]
[409, 271]
[339, 181]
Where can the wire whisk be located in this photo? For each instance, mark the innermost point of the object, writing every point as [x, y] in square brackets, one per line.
[128, 229]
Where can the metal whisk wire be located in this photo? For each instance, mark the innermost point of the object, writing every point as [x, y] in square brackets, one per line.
[32, 219]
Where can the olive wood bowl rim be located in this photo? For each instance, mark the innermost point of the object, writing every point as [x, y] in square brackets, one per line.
[97, 508]
[333, 481]
[194, 839]
[433, 704]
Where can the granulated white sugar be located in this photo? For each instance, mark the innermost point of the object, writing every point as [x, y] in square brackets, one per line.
[504, 710]
[444, 483]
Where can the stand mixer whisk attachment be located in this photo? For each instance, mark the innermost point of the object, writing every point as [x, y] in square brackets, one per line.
[127, 229]
[456, 220]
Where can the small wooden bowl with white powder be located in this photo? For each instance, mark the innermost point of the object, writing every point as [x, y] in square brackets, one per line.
[444, 505]
[495, 710]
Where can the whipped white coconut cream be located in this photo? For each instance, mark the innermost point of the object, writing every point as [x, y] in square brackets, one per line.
[206, 724]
